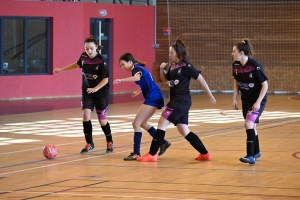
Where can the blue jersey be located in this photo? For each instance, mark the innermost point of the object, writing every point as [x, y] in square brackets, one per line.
[149, 88]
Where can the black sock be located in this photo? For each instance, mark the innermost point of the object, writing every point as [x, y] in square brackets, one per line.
[250, 141]
[107, 132]
[88, 131]
[152, 132]
[156, 141]
[196, 143]
[256, 145]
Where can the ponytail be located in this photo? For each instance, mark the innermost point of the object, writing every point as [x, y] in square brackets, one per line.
[245, 46]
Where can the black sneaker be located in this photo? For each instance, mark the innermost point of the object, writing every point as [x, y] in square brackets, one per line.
[87, 148]
[110, 147]
[163, 148]
[132, 156]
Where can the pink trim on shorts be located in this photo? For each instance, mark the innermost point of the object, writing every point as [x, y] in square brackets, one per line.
[252, 116]
[167, 112]
[102, 113]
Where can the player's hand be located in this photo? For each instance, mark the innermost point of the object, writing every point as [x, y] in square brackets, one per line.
[135, 93]
[91, 90]
[235, 105]
[163, 65]
[117, 81]
[213, 100]
[56, 70]
[256, 106]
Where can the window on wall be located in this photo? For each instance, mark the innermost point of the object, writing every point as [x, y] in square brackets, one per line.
[24, 48]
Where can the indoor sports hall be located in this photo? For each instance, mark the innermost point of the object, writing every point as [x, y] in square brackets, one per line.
[38, 107]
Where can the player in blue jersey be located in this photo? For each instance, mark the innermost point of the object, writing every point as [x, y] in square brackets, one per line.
[179, 75]
[251, 80]
[153, 101]
[95, 91]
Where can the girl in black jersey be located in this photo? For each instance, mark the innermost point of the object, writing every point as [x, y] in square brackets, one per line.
[251, 81]
[179, 75]
[95, 91]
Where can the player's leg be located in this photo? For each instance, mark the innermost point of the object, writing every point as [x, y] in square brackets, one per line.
[156, 141]
[193, 139]
[143, 115]
[249, 126]
[87, 107]
[101, 105]
[256, 151]
[148, 112]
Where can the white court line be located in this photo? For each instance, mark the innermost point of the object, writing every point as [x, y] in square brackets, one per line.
[55, 164]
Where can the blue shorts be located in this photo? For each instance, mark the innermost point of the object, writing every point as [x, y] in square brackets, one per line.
[158, 103]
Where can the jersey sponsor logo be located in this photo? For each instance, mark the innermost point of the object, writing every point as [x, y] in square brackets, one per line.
[245, 86]
[250, 75]
[258, 68]
[97, 68]
[179, 71]
[95, 76]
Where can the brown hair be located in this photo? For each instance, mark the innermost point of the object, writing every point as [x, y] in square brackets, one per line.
[94, 40]
[245, 46]
[129, 57]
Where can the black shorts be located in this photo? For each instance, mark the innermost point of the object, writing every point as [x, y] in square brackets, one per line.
[248, 107]
[177, 113]
[89, 101]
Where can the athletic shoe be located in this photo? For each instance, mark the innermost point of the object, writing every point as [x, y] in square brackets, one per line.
[163, 148]
[132, 156]
[147, 158]
[204, 157]
[110, 147]
[248, 159]
[87, 148]
[257, 155]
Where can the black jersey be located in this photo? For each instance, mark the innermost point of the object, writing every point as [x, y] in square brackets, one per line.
[182, 72]
[249, 79]
[93, 72]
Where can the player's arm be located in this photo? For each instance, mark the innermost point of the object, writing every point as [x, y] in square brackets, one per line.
[203, 83]
[262, 93]
[162, 72]
[98, 87]
[135, 93]
[134, 78]
[69, 67]
[235, 94]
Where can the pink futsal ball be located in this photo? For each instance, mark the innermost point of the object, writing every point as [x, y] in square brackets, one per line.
[50, 151]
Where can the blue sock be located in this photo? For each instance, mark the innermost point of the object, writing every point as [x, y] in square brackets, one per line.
[152, 132]
[137, 142]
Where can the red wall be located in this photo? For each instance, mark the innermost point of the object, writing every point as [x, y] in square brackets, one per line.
[132, 31]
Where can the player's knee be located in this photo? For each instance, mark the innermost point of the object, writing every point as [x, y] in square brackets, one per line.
[101, 114]
[248, 124]
[135, 124]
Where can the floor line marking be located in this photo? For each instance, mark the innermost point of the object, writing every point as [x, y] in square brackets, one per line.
[71, 161]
